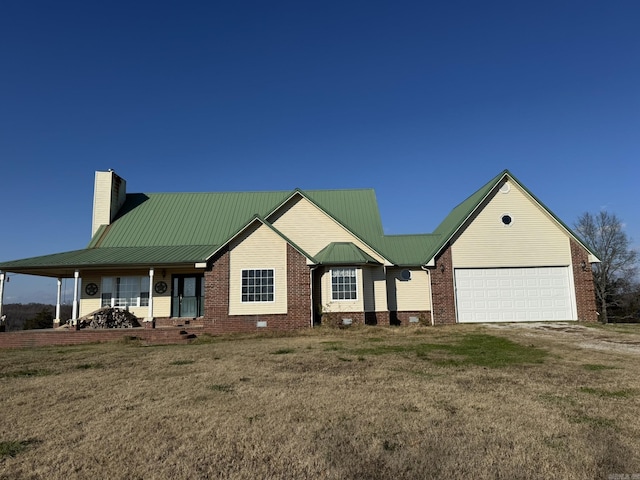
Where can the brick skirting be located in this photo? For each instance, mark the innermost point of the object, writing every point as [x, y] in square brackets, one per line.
[179, 321]
[43, 338]
[404, 318]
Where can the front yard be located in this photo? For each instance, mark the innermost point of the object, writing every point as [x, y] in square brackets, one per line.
[526, 401]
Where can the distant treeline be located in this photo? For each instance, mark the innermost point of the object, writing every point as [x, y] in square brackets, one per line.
[28, 316]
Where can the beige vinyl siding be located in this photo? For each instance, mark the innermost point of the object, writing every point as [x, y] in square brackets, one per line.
[161, 303]
[87, 304]
[534, 238]
[312, 229]
[260, 248]
[329, 305]
[101, 200]
[108, 196]
[408, 295]
[374, 289]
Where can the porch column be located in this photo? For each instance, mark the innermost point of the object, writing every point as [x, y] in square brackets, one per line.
[2, 274]
[76, 278]
[150, 294]
[56, 321]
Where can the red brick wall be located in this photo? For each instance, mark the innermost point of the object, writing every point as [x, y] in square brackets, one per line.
[358, 318]
[583, 283]
[444, 304]
[402, 318]
[178, 321]
[216, 290]
[334, 319]
[377, 318]
[217, 318]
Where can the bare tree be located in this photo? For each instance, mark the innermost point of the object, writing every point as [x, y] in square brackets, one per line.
[604, 233]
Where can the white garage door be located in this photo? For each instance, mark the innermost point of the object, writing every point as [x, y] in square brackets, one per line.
[514, 294]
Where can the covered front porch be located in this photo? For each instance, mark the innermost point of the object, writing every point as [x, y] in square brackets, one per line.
[163, 283]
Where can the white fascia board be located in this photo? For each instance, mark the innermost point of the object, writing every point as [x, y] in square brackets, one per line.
[593, 259]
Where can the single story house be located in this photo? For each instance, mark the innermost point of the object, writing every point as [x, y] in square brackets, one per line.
[242, 261]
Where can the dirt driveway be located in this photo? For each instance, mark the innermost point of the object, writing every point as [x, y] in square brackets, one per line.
[613, 337]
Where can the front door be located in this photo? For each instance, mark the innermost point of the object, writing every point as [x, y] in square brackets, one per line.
[187, 296]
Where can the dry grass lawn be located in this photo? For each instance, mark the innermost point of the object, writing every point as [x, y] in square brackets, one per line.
[449, 402]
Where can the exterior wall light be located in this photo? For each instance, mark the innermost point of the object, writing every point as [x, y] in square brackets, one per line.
[583, 265]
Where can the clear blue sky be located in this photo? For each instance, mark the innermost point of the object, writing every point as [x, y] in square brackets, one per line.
[422, 101]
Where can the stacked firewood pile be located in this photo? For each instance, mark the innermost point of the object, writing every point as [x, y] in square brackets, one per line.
[110, 318]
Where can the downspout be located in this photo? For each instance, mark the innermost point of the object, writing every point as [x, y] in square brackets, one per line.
[311, 270]
[430, 293]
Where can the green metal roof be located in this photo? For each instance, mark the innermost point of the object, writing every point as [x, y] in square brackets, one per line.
[52, 265]
[355, 209]
[175, 228]
[409, 250]
[171, 219]
[161, 219]
[165, 228]
[344, 253]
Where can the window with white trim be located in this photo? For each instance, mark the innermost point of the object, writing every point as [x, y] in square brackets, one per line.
[344, 284]
[258, 285]
[125, 291]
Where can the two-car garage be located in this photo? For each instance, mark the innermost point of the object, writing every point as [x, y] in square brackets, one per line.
[514, 294]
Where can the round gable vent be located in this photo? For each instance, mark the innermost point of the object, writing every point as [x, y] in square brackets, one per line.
[506, 219]
[405, 275]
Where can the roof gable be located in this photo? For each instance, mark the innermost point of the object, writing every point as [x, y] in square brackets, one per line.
[457, 218]
[259, 220]
[313, 226]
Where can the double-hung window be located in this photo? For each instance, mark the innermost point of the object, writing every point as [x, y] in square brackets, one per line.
[344, 284]
[258, 285]
[125, 291]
